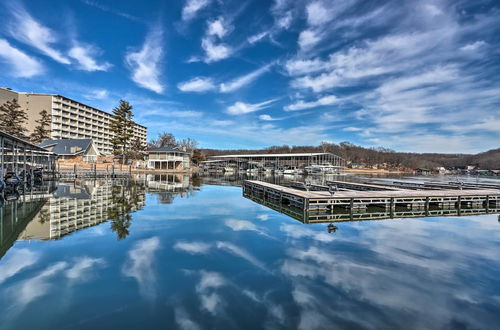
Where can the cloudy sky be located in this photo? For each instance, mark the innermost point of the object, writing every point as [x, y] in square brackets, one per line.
[408, 75]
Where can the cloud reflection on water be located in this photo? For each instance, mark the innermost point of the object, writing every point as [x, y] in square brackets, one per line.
[139, 265]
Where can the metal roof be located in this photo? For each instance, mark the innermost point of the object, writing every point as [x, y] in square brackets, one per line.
[168, 149]
[274, 155]
[23, 142]
[64, 146]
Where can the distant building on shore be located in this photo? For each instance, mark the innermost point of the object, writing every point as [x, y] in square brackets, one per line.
[168, 159]
[70, 119]
[73, 149]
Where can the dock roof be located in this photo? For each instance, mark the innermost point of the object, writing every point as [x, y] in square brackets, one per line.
[307, 154]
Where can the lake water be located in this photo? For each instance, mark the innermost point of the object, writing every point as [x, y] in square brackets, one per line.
[189, 255]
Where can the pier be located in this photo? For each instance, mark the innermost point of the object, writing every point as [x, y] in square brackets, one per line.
[348, 201]
[17, 155]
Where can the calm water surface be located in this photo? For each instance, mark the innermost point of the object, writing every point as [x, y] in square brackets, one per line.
[207, 258]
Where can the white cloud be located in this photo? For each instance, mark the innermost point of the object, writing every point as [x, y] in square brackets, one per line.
[139, 265]
[240, 108]
[263, 217]
[16, 261]
[297, 231]
[473, 46]
[267, 118]
[308, 38]
[29, 290]
[217, 28]
[184, 322]
[81, 270]
[215, 52]
[257, 37]
[197, 84]
[145, 63]
[317, 14]
[97, 94]
[210, 281]
[231, 248]
[301, 105]
[244, 80]
[31, 32]
[22, 65]
[352, 129]
[192, 247]
[192, 7]
[84, 55]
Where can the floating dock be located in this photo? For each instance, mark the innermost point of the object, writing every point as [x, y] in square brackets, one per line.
[347, 201]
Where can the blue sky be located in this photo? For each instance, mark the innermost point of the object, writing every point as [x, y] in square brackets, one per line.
[408, 75]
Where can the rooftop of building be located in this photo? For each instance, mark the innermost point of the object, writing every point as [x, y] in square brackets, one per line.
[274, 155]
[167, 150]
[67, 146]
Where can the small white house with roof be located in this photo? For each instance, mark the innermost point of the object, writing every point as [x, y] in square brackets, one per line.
[168, 159]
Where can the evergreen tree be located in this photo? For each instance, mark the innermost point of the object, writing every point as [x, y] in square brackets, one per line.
[13, 118]
[42, 130]
[137, 149]
[121, 127]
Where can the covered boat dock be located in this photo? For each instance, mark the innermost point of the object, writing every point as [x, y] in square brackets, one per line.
[19, 155]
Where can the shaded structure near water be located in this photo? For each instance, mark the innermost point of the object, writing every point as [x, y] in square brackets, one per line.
[18, 155]
[347, 201]
[314, 163]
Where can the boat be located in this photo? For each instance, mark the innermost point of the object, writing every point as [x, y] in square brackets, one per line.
[228, 169]
[2, 185]
[38, 173]
[293, 170]
[320, 169]
[12, 179]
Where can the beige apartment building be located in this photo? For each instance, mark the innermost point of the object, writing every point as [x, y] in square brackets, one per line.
[70, 119]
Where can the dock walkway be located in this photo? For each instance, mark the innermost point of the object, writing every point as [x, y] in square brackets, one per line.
[361, 199]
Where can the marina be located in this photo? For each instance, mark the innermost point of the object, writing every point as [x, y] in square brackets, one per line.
[344, 201]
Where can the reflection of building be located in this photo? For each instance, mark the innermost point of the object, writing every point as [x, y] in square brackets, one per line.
[76, 207]
[169, 182]
[72, 149]
[168, 159]
[168, 186]
[70, 119]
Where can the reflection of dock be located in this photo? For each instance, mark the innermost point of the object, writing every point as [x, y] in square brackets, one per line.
[14, 216]
[364, 204]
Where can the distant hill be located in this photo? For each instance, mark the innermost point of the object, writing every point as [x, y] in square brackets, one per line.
[382, 157]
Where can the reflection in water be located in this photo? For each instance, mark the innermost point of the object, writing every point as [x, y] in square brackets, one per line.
[234, 263]
[368, 213]
[51, 211]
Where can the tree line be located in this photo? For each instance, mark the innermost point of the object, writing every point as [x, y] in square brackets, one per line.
[381, 157]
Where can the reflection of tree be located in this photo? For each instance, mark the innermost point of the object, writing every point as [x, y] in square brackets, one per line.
[120, 225]
[196, 180]
[124, 200]
[166, 197]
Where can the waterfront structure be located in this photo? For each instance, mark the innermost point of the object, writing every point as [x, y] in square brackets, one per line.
[168, 159]
[72, 149]
[347, 201]
[70, 119]
[276, 161]
[17, 154]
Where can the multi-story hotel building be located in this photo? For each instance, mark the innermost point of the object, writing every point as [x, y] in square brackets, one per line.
[70, 119]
